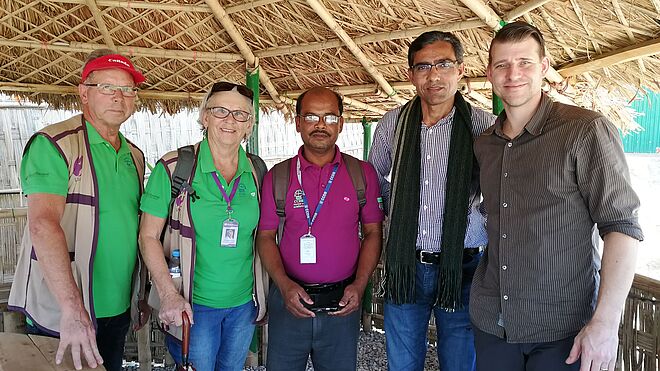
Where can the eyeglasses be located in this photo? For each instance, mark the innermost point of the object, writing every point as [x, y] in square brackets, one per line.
[222, 112]
[444, 65]
[109, 89]
[228, 86]
[329, 119]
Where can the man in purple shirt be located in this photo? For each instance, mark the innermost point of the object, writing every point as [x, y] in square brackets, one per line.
[321, 266]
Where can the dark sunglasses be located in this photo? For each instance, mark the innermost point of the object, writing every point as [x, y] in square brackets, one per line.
[227, 86]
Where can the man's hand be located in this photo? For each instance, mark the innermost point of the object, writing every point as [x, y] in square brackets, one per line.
[292, 294]
[351, 300]
[595, 346]
[171, 308]
[77, 331]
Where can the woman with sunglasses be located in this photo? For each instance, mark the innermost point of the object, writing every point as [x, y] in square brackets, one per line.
[211, 221]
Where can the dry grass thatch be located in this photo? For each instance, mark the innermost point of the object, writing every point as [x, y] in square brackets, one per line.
[604, 51]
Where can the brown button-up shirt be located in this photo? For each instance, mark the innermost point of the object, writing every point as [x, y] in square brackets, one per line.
[547, 192]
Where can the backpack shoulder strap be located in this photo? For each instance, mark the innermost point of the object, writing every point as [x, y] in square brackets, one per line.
[183, 169]
[357, 177]
[259, 166]
[281, 173]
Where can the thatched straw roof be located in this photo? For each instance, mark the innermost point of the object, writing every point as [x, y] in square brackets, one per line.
[602, 51]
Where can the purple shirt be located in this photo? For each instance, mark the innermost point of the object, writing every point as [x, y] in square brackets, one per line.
[335, 227]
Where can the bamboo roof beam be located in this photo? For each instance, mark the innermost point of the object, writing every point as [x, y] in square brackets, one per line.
[524, 9]
[624, 21]
[656, 5]
[553, 29]
[78, 47]
[330, 21]
[641, 50]
[484, 12]
[222, 16]
[491, 18]
[98, 19]
[477, 83]
[376, 37]
[171, 7]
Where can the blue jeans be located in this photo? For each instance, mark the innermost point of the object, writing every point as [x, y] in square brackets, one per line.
[406, 325]
[330, 340]
[219, 339]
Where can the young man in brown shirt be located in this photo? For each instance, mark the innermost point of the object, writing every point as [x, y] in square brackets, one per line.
[552, 175]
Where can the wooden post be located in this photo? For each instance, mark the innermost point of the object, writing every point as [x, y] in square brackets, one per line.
[144, 347]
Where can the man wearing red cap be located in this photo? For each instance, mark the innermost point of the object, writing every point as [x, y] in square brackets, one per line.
[77, 276]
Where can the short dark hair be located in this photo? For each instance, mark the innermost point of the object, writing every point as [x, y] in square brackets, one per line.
[340, 101]
[516, 32]
[434, 36]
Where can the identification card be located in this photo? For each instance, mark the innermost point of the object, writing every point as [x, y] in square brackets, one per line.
[229, 233]
[307, 249]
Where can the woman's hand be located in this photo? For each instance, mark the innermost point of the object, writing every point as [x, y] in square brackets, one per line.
[171, 308]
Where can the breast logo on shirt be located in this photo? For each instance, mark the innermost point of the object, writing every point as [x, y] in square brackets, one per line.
[77, 168]
[298, 199]
[128, 161]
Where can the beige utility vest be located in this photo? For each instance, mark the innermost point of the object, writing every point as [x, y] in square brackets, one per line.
[29, 292]
[180, 234]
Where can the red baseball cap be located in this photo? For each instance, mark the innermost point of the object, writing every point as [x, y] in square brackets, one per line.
[110, 61]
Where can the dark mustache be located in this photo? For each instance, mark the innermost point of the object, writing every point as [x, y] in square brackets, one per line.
[320, 132]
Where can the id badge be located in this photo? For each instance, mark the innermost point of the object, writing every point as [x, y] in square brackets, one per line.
[229, 233]
[307, 249]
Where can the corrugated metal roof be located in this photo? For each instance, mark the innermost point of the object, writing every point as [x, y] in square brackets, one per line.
[648, 139]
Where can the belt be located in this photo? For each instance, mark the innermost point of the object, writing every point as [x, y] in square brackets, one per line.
[430, 257]
[319, 288]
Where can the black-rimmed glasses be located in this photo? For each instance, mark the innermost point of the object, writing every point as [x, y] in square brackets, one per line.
[444, 65]
[329, 119]
[228, 86]
[222, 112]
[109, 89]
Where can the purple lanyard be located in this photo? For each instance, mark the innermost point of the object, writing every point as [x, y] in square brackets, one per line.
[224, 193]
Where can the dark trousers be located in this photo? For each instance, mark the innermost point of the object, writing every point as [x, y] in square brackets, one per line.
[495, 354]
[110, 338]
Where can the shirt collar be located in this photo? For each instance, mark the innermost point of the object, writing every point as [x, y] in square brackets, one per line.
[535, 124]
[94, 137]
[206, 159]
[304, 164]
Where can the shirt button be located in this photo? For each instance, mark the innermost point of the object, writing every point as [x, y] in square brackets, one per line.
[505, 297]
[428, 157]
[509, 144]
[504, 204]
[504, 235]
[425, 207]
[424, 232]
[426, 182]
[504, 267]
[506, 175]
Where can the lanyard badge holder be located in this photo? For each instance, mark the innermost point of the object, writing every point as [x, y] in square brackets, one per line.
[308, 241]
[229, 236]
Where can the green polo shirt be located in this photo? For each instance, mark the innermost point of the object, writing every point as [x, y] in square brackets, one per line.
[223, 275]
[44, 170]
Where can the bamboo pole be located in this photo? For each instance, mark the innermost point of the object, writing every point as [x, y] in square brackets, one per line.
[75, 46]
[376, 37]
[13, 212]
[98, 19]
[524, 9]
[222, 16]
[632, 52]
[171, 7]
[330, 21]
[162, 95]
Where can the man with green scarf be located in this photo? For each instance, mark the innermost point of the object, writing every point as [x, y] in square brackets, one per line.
[423, 155]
